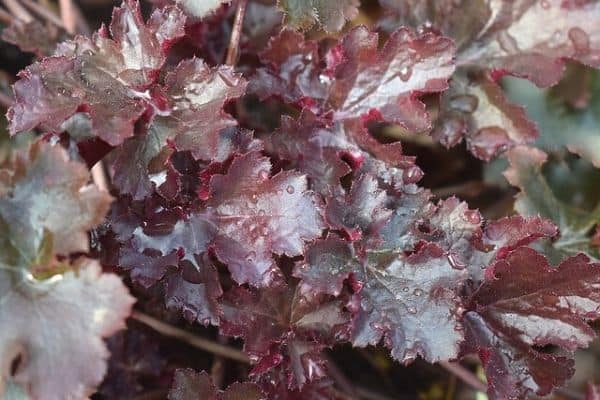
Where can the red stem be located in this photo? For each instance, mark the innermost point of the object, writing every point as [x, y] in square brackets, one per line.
[464, 375]
[234, 42]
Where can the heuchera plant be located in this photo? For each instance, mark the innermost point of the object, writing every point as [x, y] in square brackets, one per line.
[260, 198]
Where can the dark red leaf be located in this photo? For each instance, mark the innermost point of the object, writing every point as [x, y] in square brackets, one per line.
[258, 215]
[527, 304]
[105, 77]
[390, 80]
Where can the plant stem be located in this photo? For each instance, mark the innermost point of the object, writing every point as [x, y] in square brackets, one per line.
[99, 176]
[6, 17]
[18, 10]
[464, 375]
[469, 188]
[44, 12]
[190, 338]
[236, 31]
[67, 15]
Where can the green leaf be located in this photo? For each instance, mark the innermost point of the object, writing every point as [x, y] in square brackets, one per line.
[560, 126]
[331, 15]
[539, 197]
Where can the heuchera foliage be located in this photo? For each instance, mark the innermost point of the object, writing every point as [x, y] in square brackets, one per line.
[292, 226]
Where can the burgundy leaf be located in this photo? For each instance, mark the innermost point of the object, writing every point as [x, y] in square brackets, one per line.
[409, 302]
[363, 212]
[195, 291]
[326, 153]
[146, 269]
[197, 94]
[196, 122]
[409, 65]
[529, 39]
[389, 81]
[456, 229]
[279, 327]
[328, 264]
[258, 216]
[292, 70]
[478, 110]
[526, 303]
[102, 76]
[508, 233]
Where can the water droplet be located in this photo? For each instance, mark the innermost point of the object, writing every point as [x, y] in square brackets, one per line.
[418, 292]
[264, 231]
[88, 53]
[261, 212]
[61, 90]
[507, 42]
[290, 189]
[405, 73]
[466, 103]
[250, 256]
[263, 175]
[405, 289]
[472, 216]
[413, 174]
[254, 198]
[556, 35]
[324, 79]
[411, 310]
[580, 39]
[454, 262]
[279, 192]
[108, 92]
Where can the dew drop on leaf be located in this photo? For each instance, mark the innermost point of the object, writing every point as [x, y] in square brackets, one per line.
[472, 216]
[405, 73]
[455, 263]
[263, 175]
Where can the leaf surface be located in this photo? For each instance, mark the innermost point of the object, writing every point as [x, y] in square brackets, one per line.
[529, 39]
[538, 198]
[106, 77]
[94, 306]
[528, 303]
[45, 176]
[259, 215]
